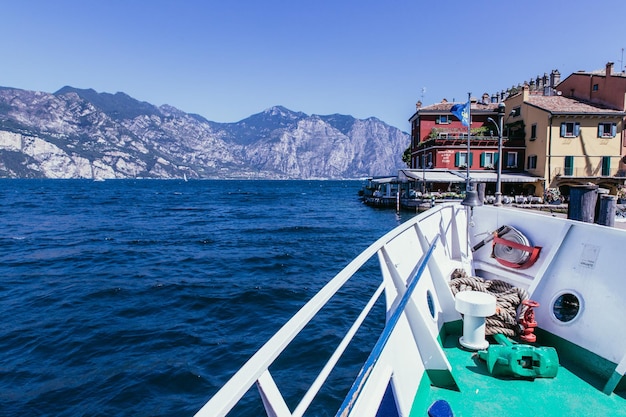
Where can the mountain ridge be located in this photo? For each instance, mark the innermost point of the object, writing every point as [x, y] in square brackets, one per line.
[80, 133]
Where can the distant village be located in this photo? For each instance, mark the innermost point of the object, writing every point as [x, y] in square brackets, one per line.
[530, 144]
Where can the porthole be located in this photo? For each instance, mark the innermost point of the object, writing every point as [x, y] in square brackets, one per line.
[566, 307]
[431, 303]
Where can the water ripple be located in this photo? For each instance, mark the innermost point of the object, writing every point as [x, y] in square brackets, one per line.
[143, 297]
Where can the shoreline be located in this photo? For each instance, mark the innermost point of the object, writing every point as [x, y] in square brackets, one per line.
[561, 211]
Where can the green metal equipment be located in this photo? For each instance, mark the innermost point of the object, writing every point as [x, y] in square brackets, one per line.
[519, 360]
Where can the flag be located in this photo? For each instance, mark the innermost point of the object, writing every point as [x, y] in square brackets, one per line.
[462, 111]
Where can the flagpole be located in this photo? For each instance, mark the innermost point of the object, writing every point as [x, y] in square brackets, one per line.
[468, 184]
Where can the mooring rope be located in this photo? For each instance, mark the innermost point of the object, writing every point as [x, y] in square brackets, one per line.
[509, 299]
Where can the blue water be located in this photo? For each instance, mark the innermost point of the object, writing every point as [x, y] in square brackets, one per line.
[142, 297]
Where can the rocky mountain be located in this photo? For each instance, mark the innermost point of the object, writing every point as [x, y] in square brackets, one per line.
[77, 133]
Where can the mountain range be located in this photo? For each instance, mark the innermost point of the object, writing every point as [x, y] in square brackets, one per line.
[80, 133]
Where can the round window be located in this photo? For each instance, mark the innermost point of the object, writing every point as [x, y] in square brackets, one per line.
[566, 307]
[431, 303]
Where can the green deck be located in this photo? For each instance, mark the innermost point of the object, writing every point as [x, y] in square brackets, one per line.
[574, 392]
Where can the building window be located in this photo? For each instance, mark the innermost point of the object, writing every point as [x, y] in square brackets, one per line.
[606, 166]
[607, 130]
[460, 159]
[516, 111]
[487, 160]
[443, 120]
[595, 87]
[569, 165]
[426, 160]
[532, 162]
[511, 159]
[570, 129]
[533, 131]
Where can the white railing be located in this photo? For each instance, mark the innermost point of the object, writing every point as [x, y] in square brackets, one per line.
[256, 370]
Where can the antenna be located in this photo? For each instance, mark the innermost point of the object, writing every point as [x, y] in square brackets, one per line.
[621, 62]
[424, 88]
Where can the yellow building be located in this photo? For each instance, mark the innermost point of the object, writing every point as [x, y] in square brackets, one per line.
[568, 141]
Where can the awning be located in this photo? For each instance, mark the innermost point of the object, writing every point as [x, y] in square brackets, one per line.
[484, 176]
[430, 176]
[384, 180]
[459, 176]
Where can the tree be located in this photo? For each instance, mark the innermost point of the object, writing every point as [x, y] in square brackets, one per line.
[406, 156]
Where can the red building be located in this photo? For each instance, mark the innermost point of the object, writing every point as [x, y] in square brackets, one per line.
[439, 139]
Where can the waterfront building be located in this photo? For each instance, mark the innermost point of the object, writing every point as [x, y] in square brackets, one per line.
[605, 87]
[439, 142]
[568, 141]
[555, 134]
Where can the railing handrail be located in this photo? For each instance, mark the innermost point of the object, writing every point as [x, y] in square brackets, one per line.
[365, 372]
[236, 387]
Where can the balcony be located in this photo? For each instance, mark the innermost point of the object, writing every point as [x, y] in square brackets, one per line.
[480, 137]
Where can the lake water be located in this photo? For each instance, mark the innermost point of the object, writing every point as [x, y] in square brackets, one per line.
[142, 297]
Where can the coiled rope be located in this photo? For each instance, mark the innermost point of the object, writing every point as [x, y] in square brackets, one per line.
[509, 307]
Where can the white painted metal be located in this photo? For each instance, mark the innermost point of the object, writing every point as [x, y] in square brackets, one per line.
[273, 401]
[576, 258]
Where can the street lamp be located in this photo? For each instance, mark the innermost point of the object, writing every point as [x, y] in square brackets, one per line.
[424, 173]
[501, 110]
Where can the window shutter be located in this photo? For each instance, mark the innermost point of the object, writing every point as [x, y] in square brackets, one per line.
[600, 130]
[576, 129]
[471, 158]
[563, 129]
[457, 156]
[482, 159]
[569, 165]
[438, 120]
[613, 129]
[606, 166]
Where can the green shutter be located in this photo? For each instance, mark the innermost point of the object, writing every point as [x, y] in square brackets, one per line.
[482, 159]
[569, 165]
[457, 156]
[606, 166]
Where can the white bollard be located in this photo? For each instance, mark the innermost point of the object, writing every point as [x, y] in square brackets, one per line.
[474, 306]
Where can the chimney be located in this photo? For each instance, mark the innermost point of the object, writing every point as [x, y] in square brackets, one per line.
[525, 92]
[418, 105]
[609, 69]
[555, 78]
[444, 100]
[485, 98]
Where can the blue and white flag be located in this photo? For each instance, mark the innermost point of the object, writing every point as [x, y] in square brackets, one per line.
[462, 111]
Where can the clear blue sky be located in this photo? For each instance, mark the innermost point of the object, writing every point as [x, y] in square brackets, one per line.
[228, 59]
